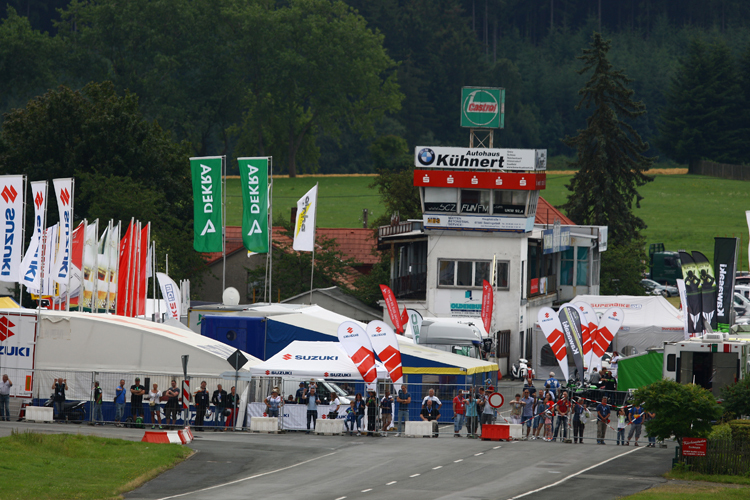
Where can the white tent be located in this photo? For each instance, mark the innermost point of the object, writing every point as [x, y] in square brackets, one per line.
[314, 360]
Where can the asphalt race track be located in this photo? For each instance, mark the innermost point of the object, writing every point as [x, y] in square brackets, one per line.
[296, 465]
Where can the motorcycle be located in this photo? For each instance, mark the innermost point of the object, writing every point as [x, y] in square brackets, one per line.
[520, 369]
[73, 411]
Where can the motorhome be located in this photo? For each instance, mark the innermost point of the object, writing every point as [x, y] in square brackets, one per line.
[712, 361]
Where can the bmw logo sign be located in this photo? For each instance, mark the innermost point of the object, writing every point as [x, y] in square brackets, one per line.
[426, 156]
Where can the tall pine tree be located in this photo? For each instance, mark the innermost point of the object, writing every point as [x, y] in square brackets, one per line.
[609, 152]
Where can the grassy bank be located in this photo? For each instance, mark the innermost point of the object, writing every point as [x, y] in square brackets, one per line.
[65, 466]
[691, 490]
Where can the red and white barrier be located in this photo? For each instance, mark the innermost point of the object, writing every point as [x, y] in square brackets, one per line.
[182, 436]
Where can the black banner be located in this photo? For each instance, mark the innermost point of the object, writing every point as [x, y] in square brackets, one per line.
[571, 323]
[725, 266]
[693, 292]
[708, 289]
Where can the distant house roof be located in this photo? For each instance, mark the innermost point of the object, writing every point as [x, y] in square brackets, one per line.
[335, 293]
[547, 214]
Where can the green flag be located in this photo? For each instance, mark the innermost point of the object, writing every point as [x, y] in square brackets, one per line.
[207, 224]
[254, 182]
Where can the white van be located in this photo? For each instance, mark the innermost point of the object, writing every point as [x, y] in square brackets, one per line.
[324, 390]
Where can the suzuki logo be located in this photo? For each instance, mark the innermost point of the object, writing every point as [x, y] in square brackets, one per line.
[287, 357]
[349, 330]
[38, 200]
[325, 374]
[5, 326]
[65, 196]
[614, 314]
[268, 372]
[9, 194]
[378, 329]
[546, 315]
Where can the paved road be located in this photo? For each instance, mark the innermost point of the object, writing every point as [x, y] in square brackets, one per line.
[296, 465]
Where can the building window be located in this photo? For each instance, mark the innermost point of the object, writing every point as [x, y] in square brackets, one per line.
[507, 202]
[595, 268]
[582, 279]
[440, 200]
[475, 202]
[566, 267]
[471, 274]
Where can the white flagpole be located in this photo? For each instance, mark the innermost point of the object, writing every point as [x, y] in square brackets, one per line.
[224, 223]
[70, 249]
[269, 267]
[315, 229]
[157, 302]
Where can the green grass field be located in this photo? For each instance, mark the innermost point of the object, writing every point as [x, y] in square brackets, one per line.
[682, 211]
[690, 490]
[69, 466]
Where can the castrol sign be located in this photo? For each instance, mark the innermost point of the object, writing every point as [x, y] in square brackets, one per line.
[483, 107]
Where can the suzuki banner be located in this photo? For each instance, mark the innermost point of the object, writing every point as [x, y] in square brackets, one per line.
[488, 301]
[571, 324]
[64, 194]
[357, 345]
[254, 183]
[385, 344]
[207, 203]
[171, 294]
[553, 332]
[17, 350]
[31, 266]
[392, 306]
[12, 194]
[725, 266]
[304, 227]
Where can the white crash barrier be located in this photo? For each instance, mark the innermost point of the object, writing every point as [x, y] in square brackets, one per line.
[516, 431]
[264, 424]
[328, 426]
[419, 428]
[39, 414]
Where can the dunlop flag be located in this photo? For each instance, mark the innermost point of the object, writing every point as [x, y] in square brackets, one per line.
[254, 182]
[207, 221]
[12, 189]
[304, 227]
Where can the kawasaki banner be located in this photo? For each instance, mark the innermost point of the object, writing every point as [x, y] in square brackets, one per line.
[207, 220]
[692, 290]
[725, 265]
[571, 327]
[254, 182]
[708, 290]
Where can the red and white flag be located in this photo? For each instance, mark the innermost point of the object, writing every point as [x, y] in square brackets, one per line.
[385, 344]
[553, 331]
[609, 325]
[357, 345]
[124, 269]
[488, 300]
[142, 284]
[31, 266]
[392, 306]
[64, 193]
[12, 189]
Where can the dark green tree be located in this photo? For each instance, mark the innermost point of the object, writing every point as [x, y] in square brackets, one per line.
[682, 410]
[609, 152]
[703, 118]
[737, 398]
[622, 269]
[124, 165]
[395, 180]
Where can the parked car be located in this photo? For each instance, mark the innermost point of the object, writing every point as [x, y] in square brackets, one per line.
[741, 304]
[654, 288]
[742, 279]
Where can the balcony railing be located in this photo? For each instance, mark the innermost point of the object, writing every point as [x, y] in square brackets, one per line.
[400, 228]
[542, 286]
[411, 286]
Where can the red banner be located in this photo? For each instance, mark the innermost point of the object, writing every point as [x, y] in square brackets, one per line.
[480, 180]
[123, 269]
[694, 447]
[142, 280]
[487, 303]
[392, 305]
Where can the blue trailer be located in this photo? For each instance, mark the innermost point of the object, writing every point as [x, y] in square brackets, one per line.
[241, 332]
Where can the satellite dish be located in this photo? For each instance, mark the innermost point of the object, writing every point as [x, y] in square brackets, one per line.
[230, 297]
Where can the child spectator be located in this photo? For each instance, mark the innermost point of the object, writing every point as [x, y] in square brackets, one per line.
[621, 424]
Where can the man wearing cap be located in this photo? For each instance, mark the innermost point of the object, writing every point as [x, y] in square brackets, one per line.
[201, 406]
[136, 399]
[219, 399]
[273, 403]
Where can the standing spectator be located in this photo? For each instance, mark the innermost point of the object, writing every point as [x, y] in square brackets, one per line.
[548, 416]
[651, 439]
[403, 398]
[516, 409]
[136, 399]
[595, 378]
[488, 412]
[219, 399]
[472, 415]
[459, 413]
[372, 412]
[359, 410]
[539, 408]
[580, 417]
[5, 386]
[613, 364]
[335, 404]
[529, 383]
[431, 397]
[119, 403]
[527, 415]
[563, 410]
[274, 403]
[552, 384]
[622, 422]
[386, 410]
[233, 403]
[60, 386]
[635, 419]
[98, 415]
[290, 400]
[300, 393]
[312, 402]
[430, 413]
[602, 419]
[154, 399]
[171, 408]
[202, 401]
[351, 418]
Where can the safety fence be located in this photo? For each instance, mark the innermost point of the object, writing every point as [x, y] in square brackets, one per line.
[722, 456]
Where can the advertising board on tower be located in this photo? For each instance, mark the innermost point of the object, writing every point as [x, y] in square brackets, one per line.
[482, 107]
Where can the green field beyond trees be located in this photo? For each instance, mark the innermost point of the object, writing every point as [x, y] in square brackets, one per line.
[682, 211]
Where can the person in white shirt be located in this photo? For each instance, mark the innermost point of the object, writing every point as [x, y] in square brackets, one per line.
[431, 397]
[5, 386]
[154, 398]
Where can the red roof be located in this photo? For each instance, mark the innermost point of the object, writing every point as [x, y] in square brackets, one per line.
[547, 214]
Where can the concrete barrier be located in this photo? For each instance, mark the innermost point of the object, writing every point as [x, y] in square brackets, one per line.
[264, 424]
[166, 437]
[418, 428]
[329, 427]
[39, 414]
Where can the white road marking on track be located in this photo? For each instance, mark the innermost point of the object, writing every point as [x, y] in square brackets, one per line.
[340, 498]
[368, 489]
[573, 475]
[496, 447]
[414, 475]
[459, 460]
[477, 454]
[438, 467]
[248, 478]
[392, 482]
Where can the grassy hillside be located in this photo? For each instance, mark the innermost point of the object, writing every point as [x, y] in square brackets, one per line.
[681, 211]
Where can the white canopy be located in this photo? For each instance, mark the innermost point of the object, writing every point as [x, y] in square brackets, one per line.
[314, 360]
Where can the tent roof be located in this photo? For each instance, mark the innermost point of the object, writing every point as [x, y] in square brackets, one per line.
[415, 358]
[315, 360]
[640, 312]
[103, 342]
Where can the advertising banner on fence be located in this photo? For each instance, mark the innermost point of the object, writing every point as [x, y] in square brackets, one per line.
[12, 189]
[254, 183]
[207, 206]
[708, 289]
[171, 294]
[385, 344]
[553, 332]
[692, 290]
[725, 266]
[17, 344]
[304, 227]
